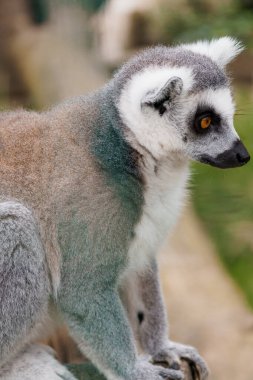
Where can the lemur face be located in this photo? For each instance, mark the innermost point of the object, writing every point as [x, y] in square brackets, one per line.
[182, 106]
[208, 131]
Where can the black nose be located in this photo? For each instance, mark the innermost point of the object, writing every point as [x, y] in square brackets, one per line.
[236, 156]
[242, 154]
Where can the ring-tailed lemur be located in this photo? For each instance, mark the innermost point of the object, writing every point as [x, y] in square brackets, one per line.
[90, 189]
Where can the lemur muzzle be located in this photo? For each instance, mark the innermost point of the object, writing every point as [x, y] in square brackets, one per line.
[236, 156]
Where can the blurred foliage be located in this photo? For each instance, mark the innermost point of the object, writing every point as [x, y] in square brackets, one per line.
[139, 31]
[92, 5]
[197, 19]
[224, 201]
[39, 10]
[246, 4]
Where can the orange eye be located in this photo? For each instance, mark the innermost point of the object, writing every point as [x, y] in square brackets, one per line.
[205, 122]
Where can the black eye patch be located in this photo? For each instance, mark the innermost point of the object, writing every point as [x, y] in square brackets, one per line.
[205, 120]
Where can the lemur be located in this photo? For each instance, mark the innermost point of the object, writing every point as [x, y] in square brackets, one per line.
[89, 190]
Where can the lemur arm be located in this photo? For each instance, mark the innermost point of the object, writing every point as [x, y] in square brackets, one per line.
[151, 325]
[152, 316]
[99, 325]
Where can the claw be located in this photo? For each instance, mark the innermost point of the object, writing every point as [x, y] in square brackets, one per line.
[172, 355]
[194, 370]
[149, 371]
[195, 361]
[196, 364]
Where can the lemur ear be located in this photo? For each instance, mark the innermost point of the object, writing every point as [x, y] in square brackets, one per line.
[165, 95]
[221, 50]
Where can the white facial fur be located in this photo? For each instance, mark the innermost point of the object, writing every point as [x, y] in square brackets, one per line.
[163, 136]
[148, 128]
[221, 101]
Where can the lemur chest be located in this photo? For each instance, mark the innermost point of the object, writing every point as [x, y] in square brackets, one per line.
[163, 199]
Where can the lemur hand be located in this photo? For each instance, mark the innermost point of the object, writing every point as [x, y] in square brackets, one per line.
[172, 354]
[145, 370]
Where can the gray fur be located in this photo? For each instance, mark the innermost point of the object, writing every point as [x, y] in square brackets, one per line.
[35, 362]
[24, 285]
[206, 72]
[152, 330]
[73, 191]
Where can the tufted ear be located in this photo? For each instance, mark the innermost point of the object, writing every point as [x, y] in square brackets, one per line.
[222, 50]
[165, 95]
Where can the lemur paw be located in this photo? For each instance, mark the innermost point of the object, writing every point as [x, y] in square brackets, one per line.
[173, 353]
[145, 370]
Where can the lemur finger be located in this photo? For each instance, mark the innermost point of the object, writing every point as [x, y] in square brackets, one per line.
[170, 374]
[167, 358]
[197, 365]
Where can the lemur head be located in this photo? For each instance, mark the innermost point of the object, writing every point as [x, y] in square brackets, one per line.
[177, 102]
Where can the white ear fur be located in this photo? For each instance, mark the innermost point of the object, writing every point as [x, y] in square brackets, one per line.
[171, 89]
[222, 50]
